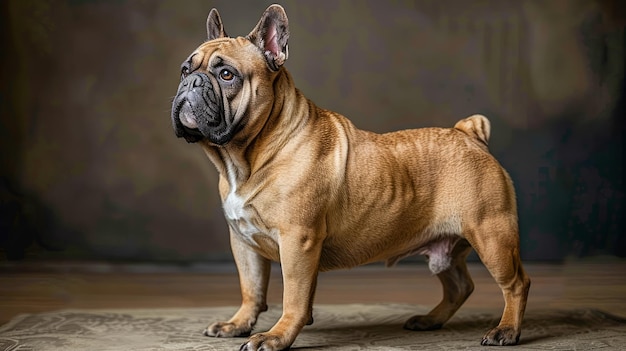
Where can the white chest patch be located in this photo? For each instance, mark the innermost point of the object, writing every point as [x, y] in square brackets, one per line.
[239, 217]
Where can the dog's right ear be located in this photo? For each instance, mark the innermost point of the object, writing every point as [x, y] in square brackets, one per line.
[214, 26]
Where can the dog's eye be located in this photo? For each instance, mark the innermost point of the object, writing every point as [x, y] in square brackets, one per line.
[226, 75]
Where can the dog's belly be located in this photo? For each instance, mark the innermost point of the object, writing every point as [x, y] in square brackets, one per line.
[435, 241]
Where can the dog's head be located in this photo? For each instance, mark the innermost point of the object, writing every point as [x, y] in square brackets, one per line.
[226, 89]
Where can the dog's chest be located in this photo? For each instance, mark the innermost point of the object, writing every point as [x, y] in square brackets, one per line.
[241, 217]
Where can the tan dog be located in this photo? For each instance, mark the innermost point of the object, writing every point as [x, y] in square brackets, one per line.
[302, 186]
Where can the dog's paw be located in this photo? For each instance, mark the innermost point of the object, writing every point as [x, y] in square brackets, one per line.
[264, 342]
[422, 323]
[501, 336]
[226, 330]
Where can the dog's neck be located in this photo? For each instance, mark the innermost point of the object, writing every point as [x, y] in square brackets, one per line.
[237, 160]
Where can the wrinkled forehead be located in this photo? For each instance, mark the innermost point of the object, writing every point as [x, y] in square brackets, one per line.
[229, 51]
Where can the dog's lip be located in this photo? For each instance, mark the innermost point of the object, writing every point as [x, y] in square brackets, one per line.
[192, 131]
[185, 113]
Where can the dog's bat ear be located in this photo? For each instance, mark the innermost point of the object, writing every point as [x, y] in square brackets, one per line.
[214, 26]
[271, 35]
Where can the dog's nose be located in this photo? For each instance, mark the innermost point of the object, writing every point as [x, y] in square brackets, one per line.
[197, 81]
[193, 81]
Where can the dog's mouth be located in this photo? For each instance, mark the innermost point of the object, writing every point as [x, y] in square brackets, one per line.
[197, 111]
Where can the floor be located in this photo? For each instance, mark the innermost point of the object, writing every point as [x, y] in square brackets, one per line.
[39, 287]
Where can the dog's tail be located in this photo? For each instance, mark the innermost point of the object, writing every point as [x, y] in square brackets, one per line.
[476, 126]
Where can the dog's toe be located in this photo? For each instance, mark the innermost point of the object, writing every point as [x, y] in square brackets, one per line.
[264, 342]
[422, 323]
[501, 336]
[226, 330]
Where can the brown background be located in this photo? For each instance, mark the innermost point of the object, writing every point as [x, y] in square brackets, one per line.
[90, 167]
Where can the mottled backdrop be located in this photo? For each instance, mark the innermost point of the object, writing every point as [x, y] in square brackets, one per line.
[90, 167]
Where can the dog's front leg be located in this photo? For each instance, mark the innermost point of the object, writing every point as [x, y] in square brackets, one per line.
[254, 272]
[299, 258]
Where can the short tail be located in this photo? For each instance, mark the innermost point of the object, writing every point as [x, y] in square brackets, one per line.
[476, 126]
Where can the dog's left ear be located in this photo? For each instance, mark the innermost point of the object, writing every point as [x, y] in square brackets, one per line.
[271, 34]
[214, 26]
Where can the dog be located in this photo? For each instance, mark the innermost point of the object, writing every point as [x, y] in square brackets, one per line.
[300, 185]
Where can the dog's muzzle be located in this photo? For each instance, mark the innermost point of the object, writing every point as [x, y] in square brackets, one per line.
[197, 111]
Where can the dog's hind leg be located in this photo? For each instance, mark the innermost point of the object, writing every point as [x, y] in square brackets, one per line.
[457, 287]
[496, 241]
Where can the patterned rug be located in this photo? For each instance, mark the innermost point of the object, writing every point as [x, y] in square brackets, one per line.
[337, 327]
